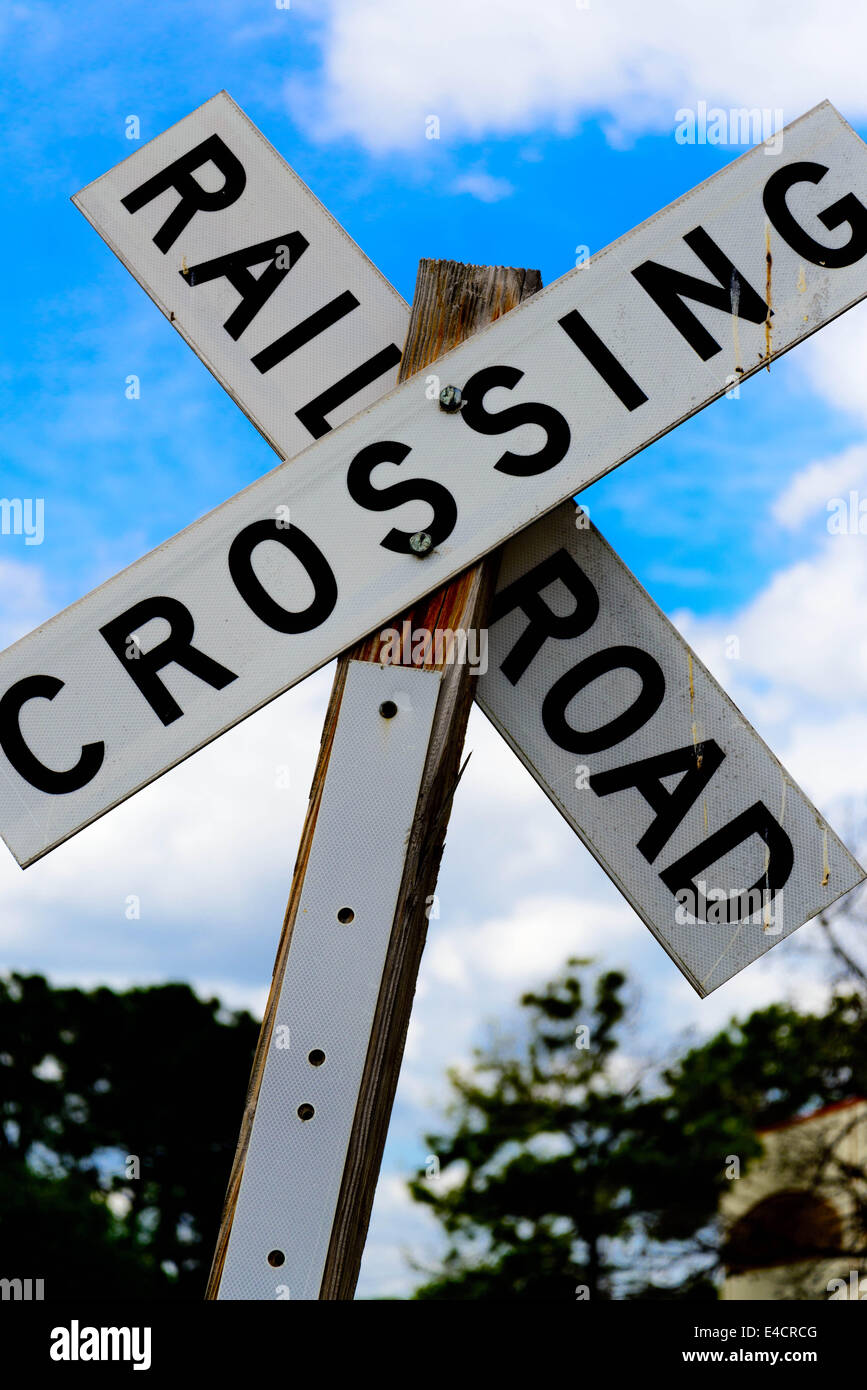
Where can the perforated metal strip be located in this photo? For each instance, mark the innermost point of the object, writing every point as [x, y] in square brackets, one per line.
[294, 1166]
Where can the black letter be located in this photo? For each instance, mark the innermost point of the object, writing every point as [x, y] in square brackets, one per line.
[254, 290]
[612, 372]
[564, 690]
[312, 415]
[526, 593]
[194, 198]
[445, 512]
[846, 209]
[698, 763]
[25, 762]
[309, 328]
[482, 421]
[177, 648]
[255, 596]
[732, 295]
[756, 821]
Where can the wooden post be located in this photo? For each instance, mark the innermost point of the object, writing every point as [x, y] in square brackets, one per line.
[451, 302]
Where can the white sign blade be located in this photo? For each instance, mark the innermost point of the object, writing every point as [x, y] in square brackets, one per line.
[331, 986]
[676, 795]
[266, 287]
[251, 598]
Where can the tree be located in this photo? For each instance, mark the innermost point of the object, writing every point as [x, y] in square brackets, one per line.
[775, 1065]
[118, 1122]
[565, 1174]
[543, 1136]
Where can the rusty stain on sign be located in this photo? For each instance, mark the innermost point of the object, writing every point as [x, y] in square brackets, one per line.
[769, 265]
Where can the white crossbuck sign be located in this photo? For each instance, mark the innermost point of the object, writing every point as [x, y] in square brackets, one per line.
[632, 739]
[304, 333]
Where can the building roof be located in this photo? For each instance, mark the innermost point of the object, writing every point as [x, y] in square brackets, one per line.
[814, 1114]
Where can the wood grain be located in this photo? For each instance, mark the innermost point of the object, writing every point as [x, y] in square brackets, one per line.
[451, 302]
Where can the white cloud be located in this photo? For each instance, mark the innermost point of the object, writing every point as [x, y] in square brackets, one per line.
[830, 757]
[529, 942]
[788, 972]
[207, 852]
[803, 634]
[485, 187]
[400, 1224]
[811, 490]
[832, 361]
[496, 68]
[26, 602]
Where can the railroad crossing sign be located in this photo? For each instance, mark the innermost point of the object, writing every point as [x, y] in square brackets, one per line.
[678, 798]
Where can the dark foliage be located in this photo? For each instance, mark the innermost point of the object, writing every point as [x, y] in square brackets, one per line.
[88, 1081]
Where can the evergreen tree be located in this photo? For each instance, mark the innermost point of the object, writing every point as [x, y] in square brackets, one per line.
[573, 1179]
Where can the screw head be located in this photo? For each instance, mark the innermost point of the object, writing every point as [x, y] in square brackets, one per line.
[421, 542]
[451, 399]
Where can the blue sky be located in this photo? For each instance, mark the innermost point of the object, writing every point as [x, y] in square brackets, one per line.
[550, 139]
[79, 324]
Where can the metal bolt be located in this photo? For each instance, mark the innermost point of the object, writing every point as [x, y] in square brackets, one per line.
[421, 542]
[451, 399]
